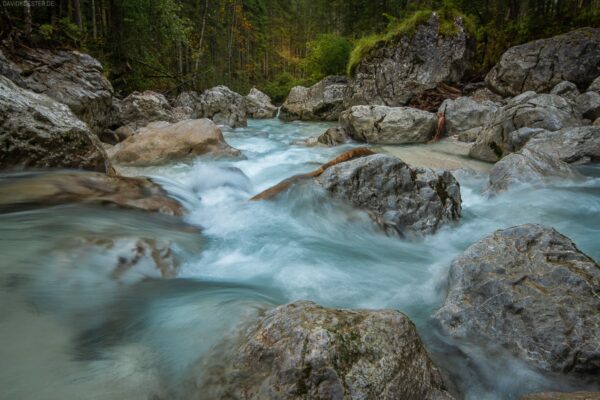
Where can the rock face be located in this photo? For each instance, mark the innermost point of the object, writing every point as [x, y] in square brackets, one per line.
[38, 132]
[31, 190]
[395, 71]
[259, 106]
[542, 64]
[529, 290]
[223, 106]
[572, 145]
[388, 125]
[305, 351]
[324, 101]
[531, 110]
[595, 85]
[69, 77]
[528, 167]
[161, 142]
[403, 200]
[139, 109]
[465, 114]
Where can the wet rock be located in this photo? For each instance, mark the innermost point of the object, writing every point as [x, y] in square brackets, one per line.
[528, 167]
[38, 132]
[545, 111]
[302, 350]
[162, 142]
[542, 64]
[403, 200]
[566, 89]
[562, 396]
[395, 71]
[465, 114]
[259, 105]
[70, 77]
[42, 189]
[588, 104]
[388, 125]
[223, 106]
[141, 108]
[579, 145]
[324, 101]
[529, 290]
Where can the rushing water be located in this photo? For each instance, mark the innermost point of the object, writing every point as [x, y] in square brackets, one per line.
[67, 332]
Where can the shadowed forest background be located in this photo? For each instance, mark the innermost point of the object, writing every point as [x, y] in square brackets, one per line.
[174, 45]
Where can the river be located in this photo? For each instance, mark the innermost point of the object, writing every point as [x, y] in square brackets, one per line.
[67, 332]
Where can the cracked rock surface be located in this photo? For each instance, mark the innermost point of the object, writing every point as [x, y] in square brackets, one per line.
[529, 290]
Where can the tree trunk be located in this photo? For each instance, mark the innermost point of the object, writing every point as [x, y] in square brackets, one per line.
[94, 28]
[27, 15]
[77, 12]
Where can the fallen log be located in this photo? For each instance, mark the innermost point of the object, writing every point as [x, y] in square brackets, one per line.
[286, 183]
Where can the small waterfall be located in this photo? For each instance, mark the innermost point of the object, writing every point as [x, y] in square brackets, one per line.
[278, 112]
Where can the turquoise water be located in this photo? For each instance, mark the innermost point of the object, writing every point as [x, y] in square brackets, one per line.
[66, 331]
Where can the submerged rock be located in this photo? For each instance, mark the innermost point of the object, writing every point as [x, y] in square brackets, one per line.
[388, 125]
[529, 290]
[38, 132]
[161, 142]
[42, 189]
[542, 64]
[396, 70]
[223, 106]
[302, 350]
[324, 101]
[572, 145]
[141, 108]
[70, 77]
[531, 110]
[258, 105]
[528, 167]
[331, 137]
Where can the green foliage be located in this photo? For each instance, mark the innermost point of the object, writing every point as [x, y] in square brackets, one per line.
[328, 54]
[279, 88]
[63, 32]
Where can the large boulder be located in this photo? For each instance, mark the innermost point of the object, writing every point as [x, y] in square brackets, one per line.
[388, 125]
[42, 189]
[223, 106]
[542, 64]
[259, 106]
[529, 290]
[305, 351]
[162, 142]
[141, 108]
[324, 101]
[38, 132]
[529, 110]
[465, 114]
[405, 200]
[579, 145]
[396, 70]
[528, 167]
[70, 77]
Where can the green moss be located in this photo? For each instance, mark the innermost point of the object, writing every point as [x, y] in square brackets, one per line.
[406, 28]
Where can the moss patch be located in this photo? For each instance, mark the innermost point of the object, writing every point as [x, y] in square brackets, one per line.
[407, 27]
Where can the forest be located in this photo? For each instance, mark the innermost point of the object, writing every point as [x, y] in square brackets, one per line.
[175, 45]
